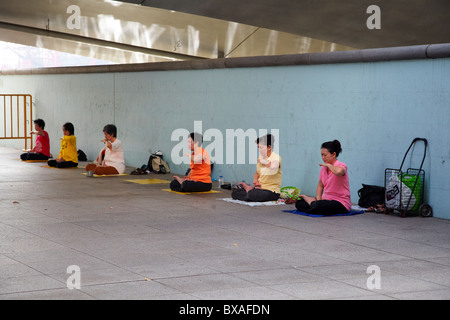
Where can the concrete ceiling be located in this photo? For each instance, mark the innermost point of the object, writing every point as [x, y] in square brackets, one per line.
[131, 31]
[403, 22]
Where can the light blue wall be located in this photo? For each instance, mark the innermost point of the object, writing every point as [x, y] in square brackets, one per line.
[374, 109]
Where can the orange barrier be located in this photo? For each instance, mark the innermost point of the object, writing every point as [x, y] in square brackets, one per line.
[16, 114]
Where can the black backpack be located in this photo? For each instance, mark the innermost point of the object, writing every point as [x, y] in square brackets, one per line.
[81, 155]
[370, 196]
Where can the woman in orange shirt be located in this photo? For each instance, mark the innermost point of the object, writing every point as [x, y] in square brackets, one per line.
[199, 177]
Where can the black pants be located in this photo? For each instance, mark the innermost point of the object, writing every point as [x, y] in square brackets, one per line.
[255, 195]
[63, 164]
[190, 186]
[323, 207]
[33, 156]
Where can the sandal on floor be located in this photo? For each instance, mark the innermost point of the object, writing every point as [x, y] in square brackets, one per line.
[138, 171]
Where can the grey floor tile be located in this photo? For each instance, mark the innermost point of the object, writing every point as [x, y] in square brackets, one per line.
[201, 283]
[248, 293]
[48, 294]
[423, 295]
[130, 290]
[320, 290]
[277, 276]
[342, 271]
[134, 241]
[29, 283]
[393, 284]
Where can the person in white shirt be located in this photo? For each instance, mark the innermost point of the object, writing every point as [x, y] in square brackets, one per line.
[111, 158]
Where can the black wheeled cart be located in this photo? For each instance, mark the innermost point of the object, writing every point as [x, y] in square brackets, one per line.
[405, 190]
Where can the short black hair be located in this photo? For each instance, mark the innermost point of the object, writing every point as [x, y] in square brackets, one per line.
[196, 137]
[266, 140]
[332, 146]
[69, 127]
[40, 123]
[111, 130]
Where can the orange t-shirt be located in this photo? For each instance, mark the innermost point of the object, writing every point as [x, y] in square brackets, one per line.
[201, 172]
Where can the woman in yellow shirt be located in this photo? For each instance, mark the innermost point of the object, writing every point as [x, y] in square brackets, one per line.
[267, 178]
[68, 156]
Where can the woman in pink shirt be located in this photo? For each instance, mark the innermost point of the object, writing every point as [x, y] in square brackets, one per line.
[333, 190]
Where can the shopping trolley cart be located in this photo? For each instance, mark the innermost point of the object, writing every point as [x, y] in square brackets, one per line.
[405, 190]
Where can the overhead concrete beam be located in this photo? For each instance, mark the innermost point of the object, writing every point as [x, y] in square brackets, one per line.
[431, 51]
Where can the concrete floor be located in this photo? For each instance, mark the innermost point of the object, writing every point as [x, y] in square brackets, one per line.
[134, 241]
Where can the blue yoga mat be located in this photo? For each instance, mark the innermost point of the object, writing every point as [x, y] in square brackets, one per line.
[351, 213]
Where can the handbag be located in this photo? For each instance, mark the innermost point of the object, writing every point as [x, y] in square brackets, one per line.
[371, 196]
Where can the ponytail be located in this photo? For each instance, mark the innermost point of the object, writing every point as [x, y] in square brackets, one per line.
[333, 146]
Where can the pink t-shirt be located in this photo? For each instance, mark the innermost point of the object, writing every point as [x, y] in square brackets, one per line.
[43, 144]
[336, 187]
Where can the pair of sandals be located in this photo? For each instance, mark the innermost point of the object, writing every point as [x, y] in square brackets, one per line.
[140, 171]
[379, 208]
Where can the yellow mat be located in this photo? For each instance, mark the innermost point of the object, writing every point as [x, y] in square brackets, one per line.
[211, 191]
[148, 181]
[106, 175]
[31, 160]
[59, 168]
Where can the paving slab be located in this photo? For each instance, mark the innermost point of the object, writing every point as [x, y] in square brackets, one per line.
[136, 241]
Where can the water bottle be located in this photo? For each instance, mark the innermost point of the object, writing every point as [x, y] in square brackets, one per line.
[220, 181]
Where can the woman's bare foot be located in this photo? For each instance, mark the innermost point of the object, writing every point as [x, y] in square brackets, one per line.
[308, 199]
[245, 186]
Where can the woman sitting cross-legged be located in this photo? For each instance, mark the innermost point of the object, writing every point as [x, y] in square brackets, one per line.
[267, 179]
[68, 155]
[111, 158]
[333, 191]
[199, 177]
[41, 150]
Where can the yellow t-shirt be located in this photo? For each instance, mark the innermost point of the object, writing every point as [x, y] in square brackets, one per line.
[69, 149]
[270, 179]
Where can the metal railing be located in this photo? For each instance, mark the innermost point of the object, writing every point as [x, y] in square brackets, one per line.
[16, 114]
